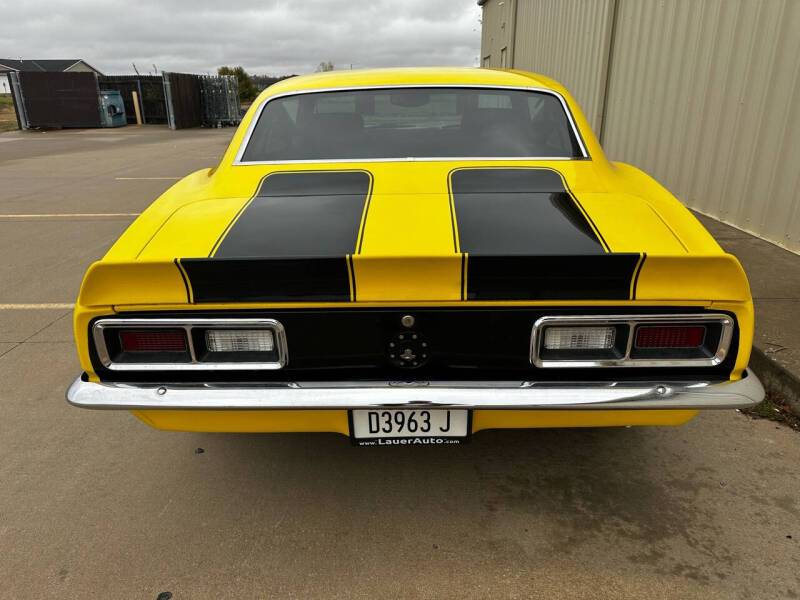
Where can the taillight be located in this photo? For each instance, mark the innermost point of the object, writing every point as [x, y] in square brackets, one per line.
[220, 345]
[153, 340]
[673, 336]
[579, 338]
[240, 340]
[179, 344]
[670, 340]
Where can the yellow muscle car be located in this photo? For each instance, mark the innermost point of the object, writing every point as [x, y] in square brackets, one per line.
[410, 256]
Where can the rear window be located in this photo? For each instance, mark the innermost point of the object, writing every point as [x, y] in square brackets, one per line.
[412, 123]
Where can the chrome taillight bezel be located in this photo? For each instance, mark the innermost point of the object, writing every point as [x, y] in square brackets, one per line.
[631, 321]
[100, 327]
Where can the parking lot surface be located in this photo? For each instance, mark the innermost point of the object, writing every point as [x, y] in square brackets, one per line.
[97, 505]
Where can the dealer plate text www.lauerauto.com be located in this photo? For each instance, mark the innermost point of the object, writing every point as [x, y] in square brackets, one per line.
[408, 441]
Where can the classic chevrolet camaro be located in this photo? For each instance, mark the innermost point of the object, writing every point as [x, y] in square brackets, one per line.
[412, 256]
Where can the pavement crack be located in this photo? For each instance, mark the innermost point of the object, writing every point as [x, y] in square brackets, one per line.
[2, 354]
[38, 331]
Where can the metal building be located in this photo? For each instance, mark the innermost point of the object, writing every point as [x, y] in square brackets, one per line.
[702, 94]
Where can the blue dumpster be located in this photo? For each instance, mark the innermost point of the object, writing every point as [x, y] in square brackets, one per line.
[112, 109]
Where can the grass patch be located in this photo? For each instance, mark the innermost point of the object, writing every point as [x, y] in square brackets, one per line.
[8, 120]
[774, 408]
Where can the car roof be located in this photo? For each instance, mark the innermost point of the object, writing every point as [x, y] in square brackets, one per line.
[411, 76]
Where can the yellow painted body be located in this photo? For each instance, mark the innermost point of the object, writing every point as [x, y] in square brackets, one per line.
[335, 421]
[416, 264]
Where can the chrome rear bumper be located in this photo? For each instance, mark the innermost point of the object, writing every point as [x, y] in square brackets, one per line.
[519, 395]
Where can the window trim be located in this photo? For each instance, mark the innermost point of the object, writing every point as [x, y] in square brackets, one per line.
[237, 161]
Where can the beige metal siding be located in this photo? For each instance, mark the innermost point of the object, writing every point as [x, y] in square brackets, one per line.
[705, 96]
[702, 94]
[496, 30]
[567, 40]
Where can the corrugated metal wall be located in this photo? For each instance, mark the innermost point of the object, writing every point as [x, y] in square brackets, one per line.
[702, 94]
[705, 96]
[568, 40]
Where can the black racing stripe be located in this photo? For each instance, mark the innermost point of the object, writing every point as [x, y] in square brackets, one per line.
[572, 277]
[453, 219]
[463, 275]
[310, 213]
[352, 274]
[185, 281]
[363, 222]
[639, 266]
[320, 279]
[527, 212]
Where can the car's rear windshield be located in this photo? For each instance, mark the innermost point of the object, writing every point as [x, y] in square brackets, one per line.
[405, 123]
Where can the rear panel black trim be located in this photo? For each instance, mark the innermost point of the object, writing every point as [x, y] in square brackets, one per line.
[468, 344]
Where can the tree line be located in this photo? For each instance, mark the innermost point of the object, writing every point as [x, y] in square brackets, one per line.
[251, 85]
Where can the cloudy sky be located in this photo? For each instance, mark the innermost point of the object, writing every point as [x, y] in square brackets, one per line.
[265, 36]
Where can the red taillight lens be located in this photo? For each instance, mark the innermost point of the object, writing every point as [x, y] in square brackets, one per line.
[153, 340]
[670, 336]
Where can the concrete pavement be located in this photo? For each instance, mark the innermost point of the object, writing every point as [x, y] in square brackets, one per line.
[97, 505]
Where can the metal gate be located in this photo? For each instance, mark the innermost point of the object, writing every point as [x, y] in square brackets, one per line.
[149, 88]
[201, 100]
[19, 101]
[220, 100]
[56, 100]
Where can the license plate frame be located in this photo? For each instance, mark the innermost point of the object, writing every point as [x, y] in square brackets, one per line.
[460, 419]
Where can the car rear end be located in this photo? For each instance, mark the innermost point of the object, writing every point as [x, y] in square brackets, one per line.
[487, 364]
[308, 284]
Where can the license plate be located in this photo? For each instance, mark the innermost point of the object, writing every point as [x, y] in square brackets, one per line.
[391, 427]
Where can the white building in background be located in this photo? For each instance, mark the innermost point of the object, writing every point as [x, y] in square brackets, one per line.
[49, 65]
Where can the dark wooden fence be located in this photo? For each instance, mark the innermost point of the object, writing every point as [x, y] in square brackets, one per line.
[183, 93]
[56, 100]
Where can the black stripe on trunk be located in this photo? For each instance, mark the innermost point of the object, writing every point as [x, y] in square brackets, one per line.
[575, 277]
[310, 213]
[527, 212]
[319, 279]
